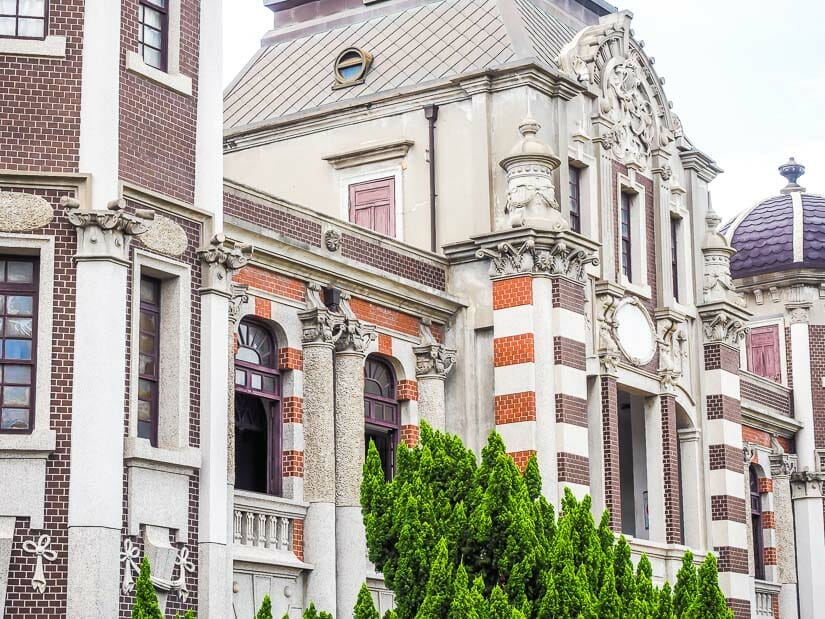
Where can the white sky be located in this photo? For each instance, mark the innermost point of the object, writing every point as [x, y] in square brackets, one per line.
[747, 78]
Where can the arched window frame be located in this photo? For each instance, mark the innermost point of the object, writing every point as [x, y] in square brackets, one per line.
[379, 427]
[756, 526]
[263, 381]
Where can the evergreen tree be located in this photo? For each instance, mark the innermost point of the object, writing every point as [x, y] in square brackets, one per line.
[710, 601]
[312, 613]
[609, 604]
[623, 571]
[645, 602]
[499, 605]
[146, 602]
[390, 614]
[190, 614]
[439, 587]
[687, 586]
[664, 608]
[265, 611]
[364, 607]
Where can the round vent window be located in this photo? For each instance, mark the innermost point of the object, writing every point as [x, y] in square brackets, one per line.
[351, 66]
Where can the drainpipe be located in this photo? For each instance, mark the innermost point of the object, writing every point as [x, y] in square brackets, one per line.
[431, 114]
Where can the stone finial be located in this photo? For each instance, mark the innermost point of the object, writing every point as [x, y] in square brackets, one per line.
[220, 262]
[792, 171]
[531, 198]
[106, 234]
[718, 284]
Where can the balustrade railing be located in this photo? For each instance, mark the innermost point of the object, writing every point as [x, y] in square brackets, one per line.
[765, 592]
[265, 522]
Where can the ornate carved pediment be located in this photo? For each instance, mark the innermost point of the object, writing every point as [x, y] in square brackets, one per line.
[634, 111]
[526, 257]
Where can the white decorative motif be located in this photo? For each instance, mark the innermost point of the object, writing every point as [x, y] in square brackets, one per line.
[558, 259]
[531, 199]
[185, 566]
[165, 236]
[799, 313]
[672, 348]
[349, 333]
[221, 261]
[625, 103]
[316, 320]
[724, 328]
[239, 298]
[718, 284]
[40, 549]
[781, 463]
[332, 239]
[20, 212]
[129, 558]
[634, 331]
[432, 359]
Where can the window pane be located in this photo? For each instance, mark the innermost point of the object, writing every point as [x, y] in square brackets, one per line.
[152, 37]
[256, 381]
[240, 377]
[153, 18]
[33, 8]
[18, 327]
[145, 389]
[21, 272]
[148, 322]
[269, 384]
[148, 291]
[19, 305]
[146, 365]
[16, 396]
[17, 374]
[7, 26]
[147, 344]
[248, 355]
[144, 429]
[8, 7]
[144, 411]
[14, 419]
[152, 57]
[30, 28]
[2, 303]
[19, 349]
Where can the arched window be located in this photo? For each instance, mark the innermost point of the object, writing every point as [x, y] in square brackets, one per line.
[382, 418]
[258, 426]
[756, 526]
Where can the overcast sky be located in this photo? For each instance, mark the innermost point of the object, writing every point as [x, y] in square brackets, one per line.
[747, 78]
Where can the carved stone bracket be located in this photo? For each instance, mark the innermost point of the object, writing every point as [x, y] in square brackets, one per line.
[799, 313]
[432, 359]
[806, 485]
[349, 333]
[782, 464]
[316, 320]
[749, 454]
[527, 257]
[672, 341]
[106, 234]
[239, 297]
[221, 262]
[608, 296]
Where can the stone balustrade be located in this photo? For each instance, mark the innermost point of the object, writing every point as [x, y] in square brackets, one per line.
[266, 522]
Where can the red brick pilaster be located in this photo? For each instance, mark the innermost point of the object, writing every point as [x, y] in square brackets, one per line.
[610, 445]
[670, 464]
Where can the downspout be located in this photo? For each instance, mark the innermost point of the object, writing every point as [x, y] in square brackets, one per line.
[431, 114]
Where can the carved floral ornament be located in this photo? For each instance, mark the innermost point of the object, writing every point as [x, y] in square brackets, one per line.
[724, 328]
[605, 58]
[41, 551]
[221, 261]
[524, 258]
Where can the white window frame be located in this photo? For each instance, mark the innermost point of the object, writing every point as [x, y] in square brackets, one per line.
[777, 321]
[638, 214]
[172, 78]
[374, 172]
[50, 47]
[42, 439]
[175, 338]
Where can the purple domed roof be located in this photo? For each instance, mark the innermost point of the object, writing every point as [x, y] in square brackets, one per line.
[781, 233]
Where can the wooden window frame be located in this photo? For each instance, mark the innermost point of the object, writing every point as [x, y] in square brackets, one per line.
[34, 289]
[373, 426]
[626, 234]
[17, 17]
[352, 190]
[164, 32]
[575, 199]
[756, 526]
[774, 329]
[674, 255]
[272, 402]
[154, 378]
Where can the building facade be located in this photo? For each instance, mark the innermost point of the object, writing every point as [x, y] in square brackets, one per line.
[482, 214]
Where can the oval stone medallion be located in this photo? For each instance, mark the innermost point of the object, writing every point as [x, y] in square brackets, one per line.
[23, 211]
[165, 236]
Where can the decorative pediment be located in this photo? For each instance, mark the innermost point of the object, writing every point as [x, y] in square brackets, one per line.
[634, 114]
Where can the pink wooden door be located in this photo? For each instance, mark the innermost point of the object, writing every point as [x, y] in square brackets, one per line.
[372, 205]
[763, 352]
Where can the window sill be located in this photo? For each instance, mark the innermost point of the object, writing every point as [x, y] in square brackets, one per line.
[637, 289]
[138, 452]
[50, 47]
[35, 445]
[173, 81]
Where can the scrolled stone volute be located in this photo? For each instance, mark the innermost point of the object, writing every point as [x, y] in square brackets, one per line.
[531, 198]
[221, 262]
[106, 234]
[316, 320]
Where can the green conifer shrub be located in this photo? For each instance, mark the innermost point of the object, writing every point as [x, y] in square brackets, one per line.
[687, 585]
[265, 611]
[146, 601]
[364, 607]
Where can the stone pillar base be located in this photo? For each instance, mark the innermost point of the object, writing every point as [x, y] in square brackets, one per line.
[93, 584]
[214, 580]
[352, 546]
[319, 531]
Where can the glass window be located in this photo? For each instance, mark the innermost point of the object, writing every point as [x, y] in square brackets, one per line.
[153, 32]
[148, 359]
[674, 256]
[381, 411]
[18, 301]
[23, 19]
[626, 236]
[575, 199]
[756, 526]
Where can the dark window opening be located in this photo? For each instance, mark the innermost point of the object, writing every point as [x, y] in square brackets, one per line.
[258, 421]
[626, 236]
[148, 360]
[674, 256]
[575, 199]
[153, 33]
[23, 19]
[18, 325]
[756, 526]
[382, 418]
[372, 205]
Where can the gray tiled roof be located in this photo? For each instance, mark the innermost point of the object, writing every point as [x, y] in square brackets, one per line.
[431, 41]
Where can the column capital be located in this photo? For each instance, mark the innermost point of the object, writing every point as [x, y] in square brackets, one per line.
[316, 320]
[350, 334]
[432, 359]
[806, 485]
[799, 312]
[221, 262]
[106, 234]
[723, 324]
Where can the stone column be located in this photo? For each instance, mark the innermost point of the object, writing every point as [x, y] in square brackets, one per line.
[319, 450]
[96, 472]
[802, 397]
[351, 339]
[220, 262]
[433, 361]
[806, 493]
[782, 465]
[690, 448]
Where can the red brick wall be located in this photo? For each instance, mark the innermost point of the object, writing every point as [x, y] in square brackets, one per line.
[512, 292]
[293, 409]
[407, 390]
[410, 435]
[610, 443]
[515, 407]
[513, 350]
[385, 344]
[271, 282]
[521, 458]
[40, 100]
[298, 538]
[816, 336]
[274, 220]
[384, 316]
[158, 125]
[293, 462]
[290, 359]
